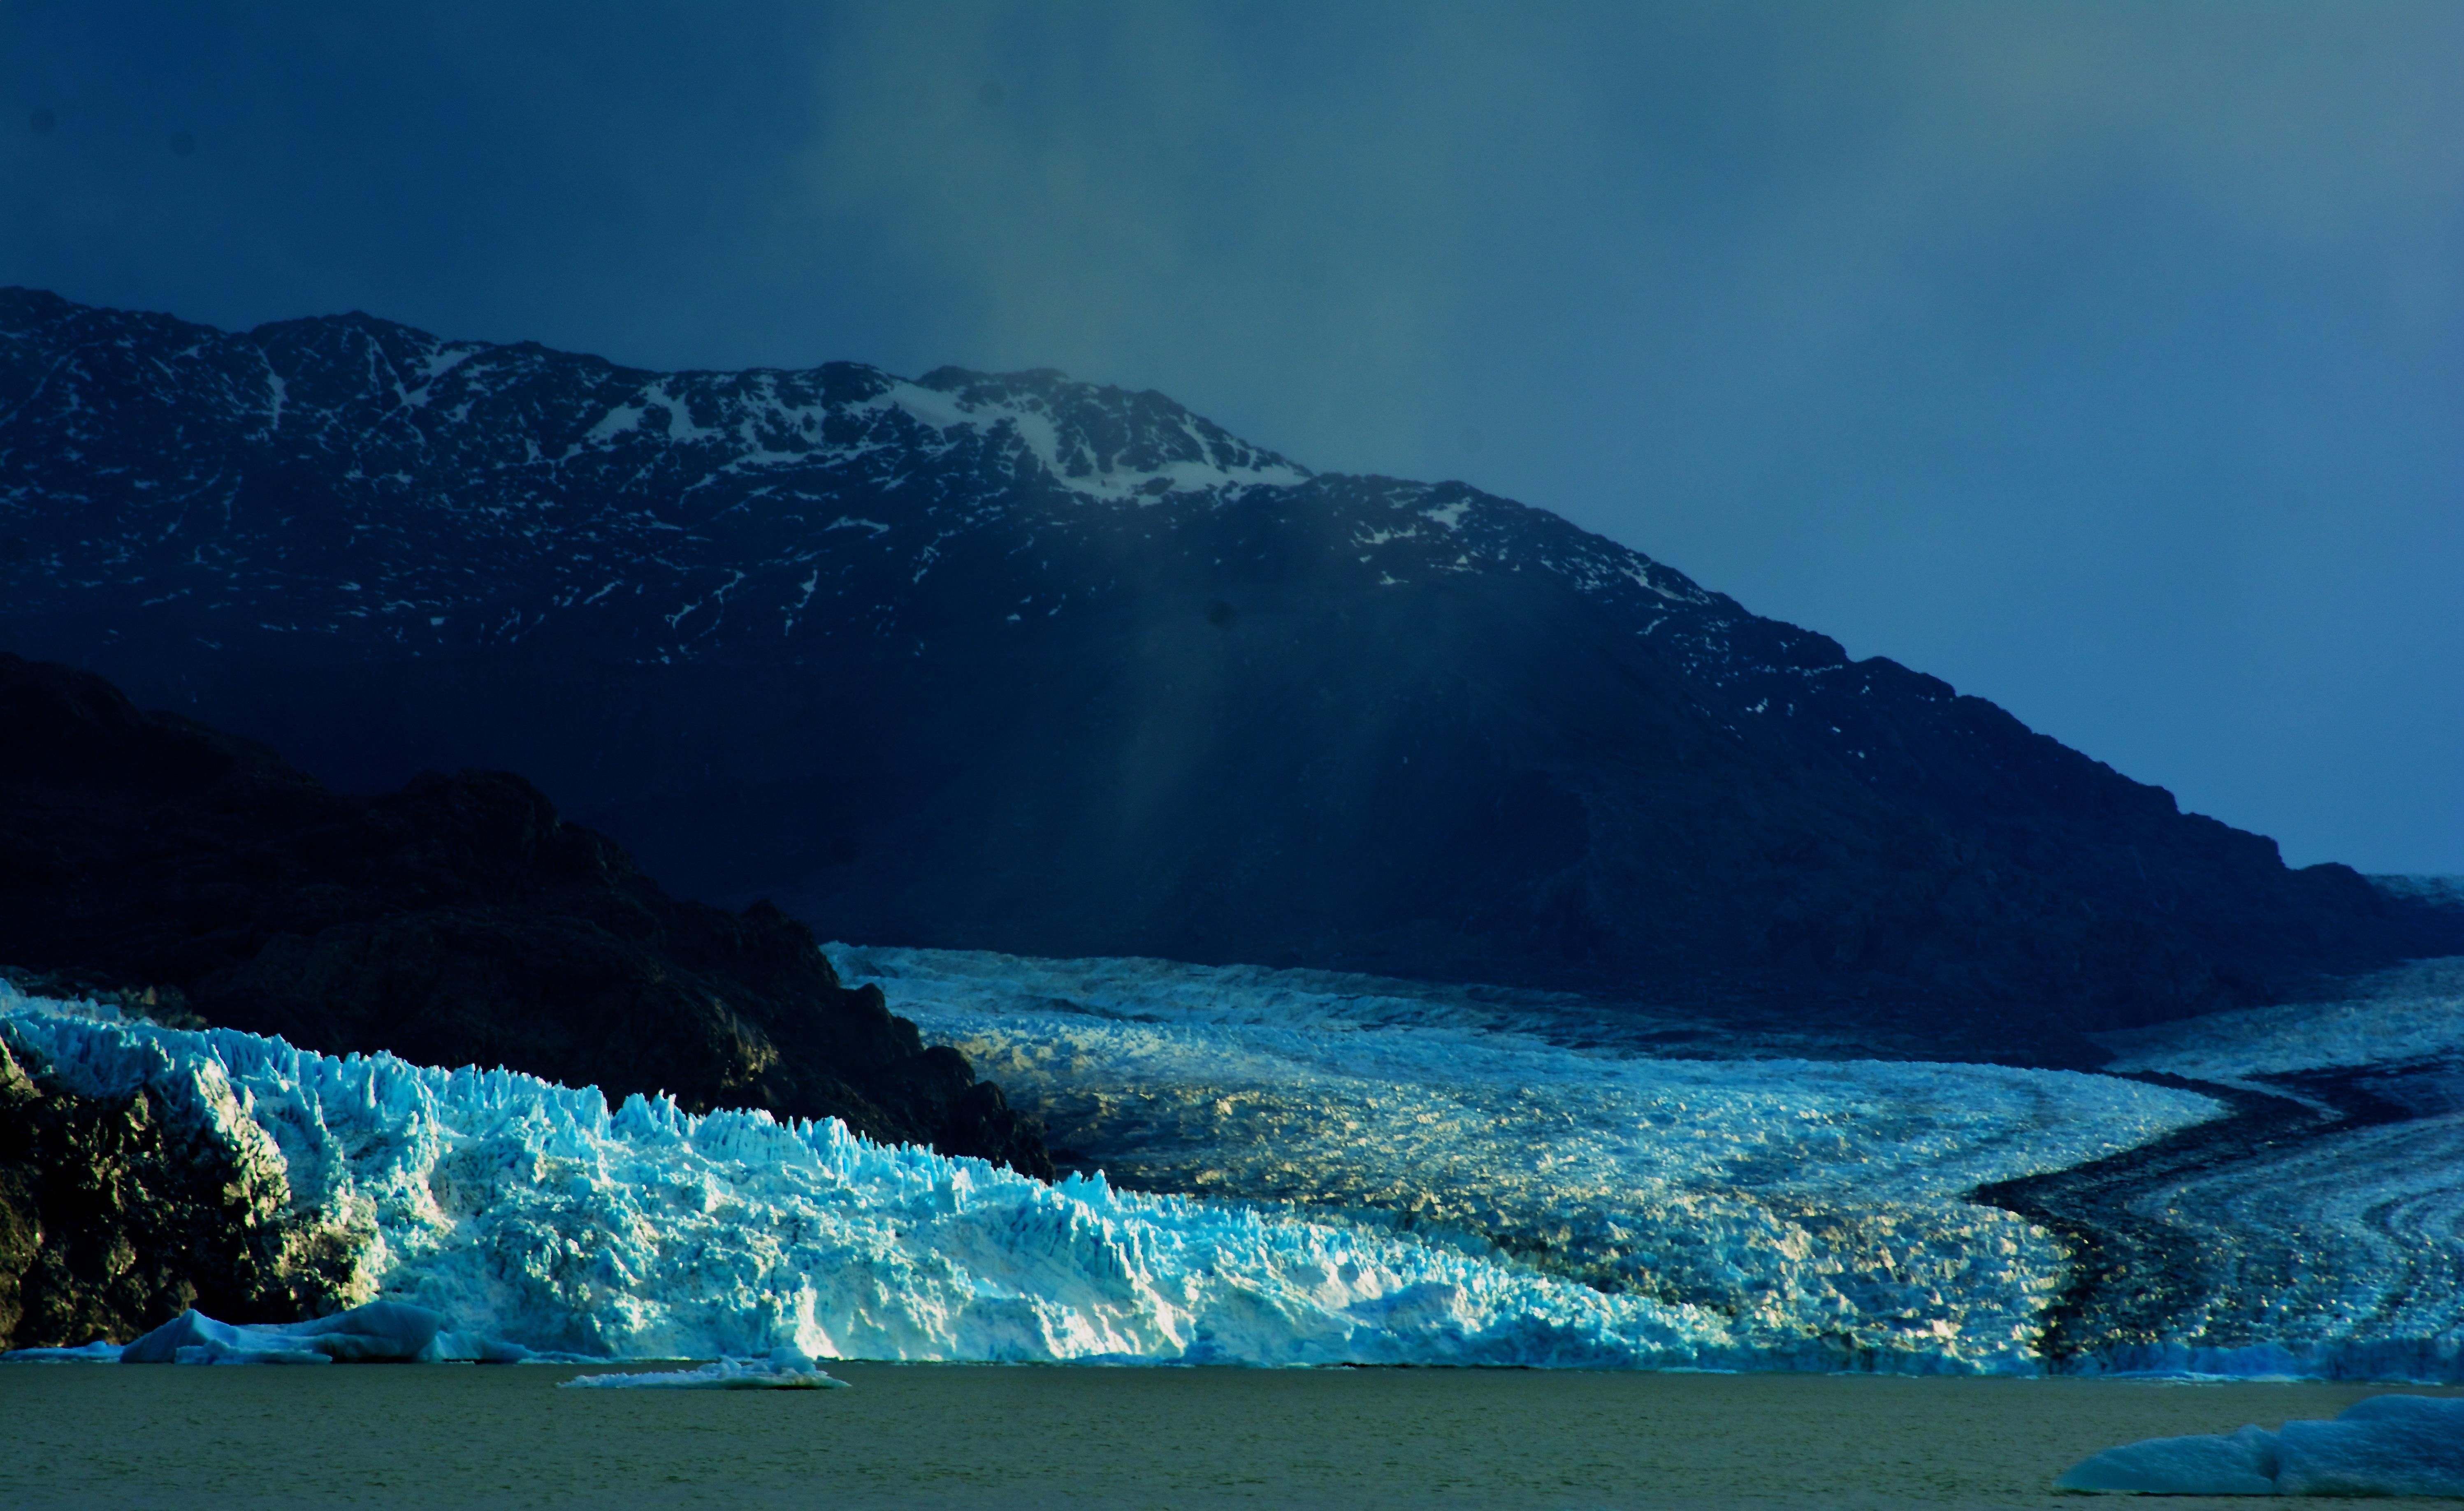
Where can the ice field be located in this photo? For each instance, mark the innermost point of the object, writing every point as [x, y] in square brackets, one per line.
[1816, 1203]
[2342, 1255]
[536, 1214]
[1389, 1174]
[2408, 1017]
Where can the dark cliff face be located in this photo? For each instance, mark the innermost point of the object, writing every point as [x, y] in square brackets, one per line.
[458, 921]
[1023, 664]
[117, 1213]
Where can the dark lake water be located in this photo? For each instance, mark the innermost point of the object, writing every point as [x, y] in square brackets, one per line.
[992, 1436]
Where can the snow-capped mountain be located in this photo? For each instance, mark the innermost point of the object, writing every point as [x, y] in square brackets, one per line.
[1018, 663]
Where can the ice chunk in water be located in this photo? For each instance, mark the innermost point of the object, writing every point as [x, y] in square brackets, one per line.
[785, 1370]
[2389, 1445]
[2242, 1464]
[379, 1332]
[102, 1350]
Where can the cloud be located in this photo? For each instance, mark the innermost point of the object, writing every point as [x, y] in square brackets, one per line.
[1990, 336]
[1333, 224]
[1160, 195]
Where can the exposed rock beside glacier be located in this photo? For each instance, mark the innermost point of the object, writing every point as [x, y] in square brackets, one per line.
[133, 1199]
[457, 921]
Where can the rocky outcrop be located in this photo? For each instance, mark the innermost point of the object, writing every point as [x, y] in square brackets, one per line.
[456, 921]
[117, 1213]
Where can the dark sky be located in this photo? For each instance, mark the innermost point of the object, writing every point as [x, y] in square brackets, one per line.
[2104, 360]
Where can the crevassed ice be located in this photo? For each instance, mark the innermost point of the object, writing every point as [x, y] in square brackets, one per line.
[2370, 1213]
[1818, 1203]
[2373, 1219]
[533, 1212]
[2415, 1012]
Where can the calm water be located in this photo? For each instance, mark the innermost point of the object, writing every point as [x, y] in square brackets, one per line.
[953, 1436]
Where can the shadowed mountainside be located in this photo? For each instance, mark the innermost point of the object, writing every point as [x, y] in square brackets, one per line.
[1021, 664]
[456, 921]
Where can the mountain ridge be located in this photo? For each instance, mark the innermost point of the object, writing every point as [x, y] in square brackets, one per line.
[1011, 662]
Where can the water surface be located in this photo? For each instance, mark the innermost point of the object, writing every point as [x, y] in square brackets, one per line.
[1041, 1436]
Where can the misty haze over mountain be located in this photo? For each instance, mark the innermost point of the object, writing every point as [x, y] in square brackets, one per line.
[2098, 359]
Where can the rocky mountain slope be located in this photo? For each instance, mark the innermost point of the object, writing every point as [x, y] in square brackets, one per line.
[1018, 663]
[458, 919]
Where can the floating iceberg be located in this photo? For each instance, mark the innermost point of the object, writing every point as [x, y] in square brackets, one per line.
[102, 1350]
[785, 1370]
[2389, 1445]
[536, 1214]
[377, 1333]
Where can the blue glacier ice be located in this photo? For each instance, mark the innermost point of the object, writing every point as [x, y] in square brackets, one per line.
[2389, 1445]
[539, 1215]
[1394, 1174]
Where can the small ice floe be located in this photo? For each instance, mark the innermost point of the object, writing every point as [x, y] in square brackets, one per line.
[379, 1332]
[2389, 1445]
[785, 1370]
[102, 1350]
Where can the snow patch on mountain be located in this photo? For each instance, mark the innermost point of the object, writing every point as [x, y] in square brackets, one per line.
[1177, 452]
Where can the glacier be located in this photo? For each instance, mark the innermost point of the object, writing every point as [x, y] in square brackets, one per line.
[2410, 1017]
[2340, 1254]
[1298, 1168]
[1819, 1204]
[537, 1214]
